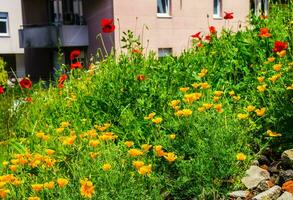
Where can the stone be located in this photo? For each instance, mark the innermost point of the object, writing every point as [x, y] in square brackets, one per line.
[264, 185]
[288, 186]
[287, 159]
[286, 196]
[286, 175]
[254, 175]
[274, 167]
[255, 162]
[270, 194]
[239, 194]
[263, 160]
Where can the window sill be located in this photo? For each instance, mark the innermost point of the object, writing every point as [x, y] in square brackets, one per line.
[166, 16]
[215, 17]
[4, 35]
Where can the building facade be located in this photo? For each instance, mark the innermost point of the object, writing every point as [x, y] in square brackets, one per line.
[56, 27]
[10, 22]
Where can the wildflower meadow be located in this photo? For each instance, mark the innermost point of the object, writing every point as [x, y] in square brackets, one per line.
[137, 127]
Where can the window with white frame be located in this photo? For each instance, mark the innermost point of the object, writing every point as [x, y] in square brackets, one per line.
[4, 24]
[217, 8]
[163, 8]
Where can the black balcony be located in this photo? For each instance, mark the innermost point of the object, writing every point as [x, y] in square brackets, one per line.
[51, 36]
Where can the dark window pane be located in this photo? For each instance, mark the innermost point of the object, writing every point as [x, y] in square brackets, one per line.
[162, 6]
[3, 27]
[216, 7]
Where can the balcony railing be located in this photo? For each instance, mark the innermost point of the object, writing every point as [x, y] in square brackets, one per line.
[46, 36]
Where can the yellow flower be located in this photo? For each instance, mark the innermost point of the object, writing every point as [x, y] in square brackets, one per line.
[207, 105]
[260, 112]
[146, 147]
[108, 136]
[271, 59]
[59, 130]
[184, 89]
[231, 93]
[64, 124]
[104, 127]
[250, 108]
[277, 67]
[282, 54]
[189, 98]
[62, 182]
[261, 88]
[50, 152]
[201, 109]
[145, 170]
[150, 116]
[157, 120]
[171, 157]
[205, 85]
[195, 85]
[203, 72]
[49, 162]
[3, 193]
[218, 108]
[273, 134]
[34, 198]
[159, 151]
[274, 78]
[94, 143]
[135, 152]
[261, 79]
[138, 164]
[240, 156]
[87, 188]
[174, 103]
[179, 113]
[106, 167]
[40, 135]
[236, 98]
[290, 87]
[37, 187]
[13, 167]
[129, 143]
[5, 163]
[218, 93]
[69, 140]
[215, 99]
[242, 116]
[172, 136]
[93, 155]
[186, 112]
[49, 185]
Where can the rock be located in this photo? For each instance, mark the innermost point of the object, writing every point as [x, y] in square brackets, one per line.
[270, 194]
[286, 175]
[264, 185]
[274, 167]
[263, 160]
[239, 194]
[288, 186]
[275, 179]
[254, 175]
[255, 162]
[287, 159]
[286, 196]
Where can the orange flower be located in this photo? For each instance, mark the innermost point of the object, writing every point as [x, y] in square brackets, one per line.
[205, 85]
[93, 155]
[260, 112]
[189, 98]
[277, 67]
[186, 112]
[150, 116]
[274, 78]
[201, 109]
[282, 53]
[174, 103]
[184, 89]
[50, 152]
[218, 108]
[159, 151]
[106, 167]
[138, 164]
[62, 182]
[264, 32]
[195, 85]
[157, 120]
[49, 185]
[37, 187]
[103, 128]
[135, 152]
[87, 188]
[202, 73]
[261, 79]
[94, 143]
[273, 134]
[129, 143]
[207, 105]
[271, 59]
[145, 170]
[231, 93]
[171, 157]
[3, 193]
[146, 147]
[261, 88]
[108, 136]
[250, 108]
[242, 116]
[13, 167]
[218, 93]
[215, 99]
[140, 77]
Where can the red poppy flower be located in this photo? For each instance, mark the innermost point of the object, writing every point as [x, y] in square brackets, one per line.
[107, 25]
[60, 85]
[140, 77]
[2, 90]
[62, 78]
[228, 15]
[199, 45]
[197, 35]
[25, 83]
[279, 46]
[208, 38]
[137, 51]
[264, 32]
[76, 65]
[212, 30]
[74, 54]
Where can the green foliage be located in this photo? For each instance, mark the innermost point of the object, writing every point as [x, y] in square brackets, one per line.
[3, 73]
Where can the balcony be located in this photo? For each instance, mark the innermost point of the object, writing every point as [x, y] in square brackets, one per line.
[46, 36]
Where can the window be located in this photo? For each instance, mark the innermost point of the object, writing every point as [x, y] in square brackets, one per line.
[163, 8]
[164, 52]
[217, 8]
[4, 24]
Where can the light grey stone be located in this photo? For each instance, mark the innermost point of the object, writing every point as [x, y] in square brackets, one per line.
[270, 194]
[263, 186]
[240, 193]
[287, 159]
[286, 196]
[254, 175]
[286, 175]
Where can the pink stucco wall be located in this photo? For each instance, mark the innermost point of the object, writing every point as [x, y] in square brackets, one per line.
[187, 18]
